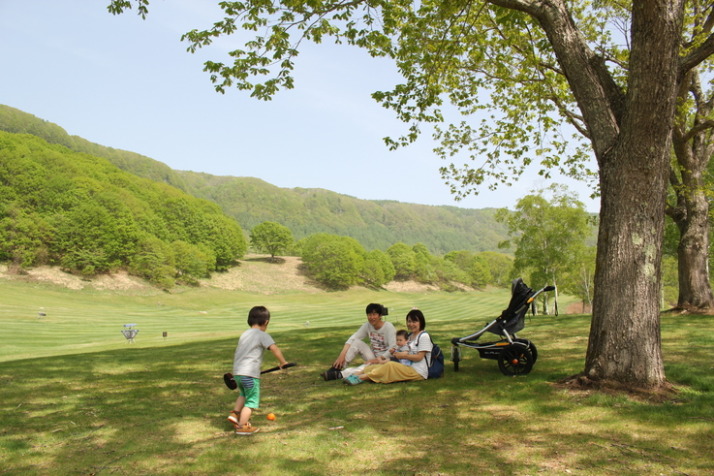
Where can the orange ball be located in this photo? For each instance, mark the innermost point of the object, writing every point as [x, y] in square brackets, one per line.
[271, 416]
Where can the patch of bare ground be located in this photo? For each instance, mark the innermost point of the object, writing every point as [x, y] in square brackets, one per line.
[253, 274]
[580, 384]
[119, 280]
[261, 275]
[409, 287]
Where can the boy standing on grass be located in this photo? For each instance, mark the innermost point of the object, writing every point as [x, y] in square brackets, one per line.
[247, 360]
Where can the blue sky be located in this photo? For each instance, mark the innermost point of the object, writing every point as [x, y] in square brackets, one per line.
[129, 83]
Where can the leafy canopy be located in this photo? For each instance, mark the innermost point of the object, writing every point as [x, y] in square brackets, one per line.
[471, 57]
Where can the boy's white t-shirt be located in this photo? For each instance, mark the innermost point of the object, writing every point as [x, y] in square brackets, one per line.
[248, 356]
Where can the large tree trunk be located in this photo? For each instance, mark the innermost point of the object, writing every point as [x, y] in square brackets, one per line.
[630, 134]
[624, 343]
[695, 293]
[693, 147]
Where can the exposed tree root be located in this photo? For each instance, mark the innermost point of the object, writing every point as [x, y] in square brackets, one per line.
[690, 310]
[581, 383]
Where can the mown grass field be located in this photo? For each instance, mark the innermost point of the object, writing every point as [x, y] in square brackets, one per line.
[76, 398]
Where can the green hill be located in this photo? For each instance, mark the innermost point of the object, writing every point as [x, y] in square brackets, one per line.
[84, 214]
[375, 224]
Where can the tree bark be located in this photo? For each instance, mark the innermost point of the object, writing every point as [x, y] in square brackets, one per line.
[695, 293]
[625, 342]
[630, 133]
[693, 147]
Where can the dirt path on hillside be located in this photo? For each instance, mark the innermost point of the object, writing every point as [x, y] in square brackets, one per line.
[254, 274]
[119, 280]
[257, 274]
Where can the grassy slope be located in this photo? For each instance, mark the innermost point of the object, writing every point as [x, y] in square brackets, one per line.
[75, 398]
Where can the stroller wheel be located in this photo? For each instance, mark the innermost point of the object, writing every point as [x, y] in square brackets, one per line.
[531, 347]
[515, 359]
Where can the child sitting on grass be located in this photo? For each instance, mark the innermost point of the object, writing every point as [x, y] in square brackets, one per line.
[246, 368]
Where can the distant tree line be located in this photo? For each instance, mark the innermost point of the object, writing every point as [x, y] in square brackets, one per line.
[550, 236]
[338, 262]
[550, 230]
[82, 213]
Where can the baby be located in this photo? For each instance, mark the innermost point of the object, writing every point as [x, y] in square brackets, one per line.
[402, 346]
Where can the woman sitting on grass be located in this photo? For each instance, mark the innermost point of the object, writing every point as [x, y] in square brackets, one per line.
[419, 352]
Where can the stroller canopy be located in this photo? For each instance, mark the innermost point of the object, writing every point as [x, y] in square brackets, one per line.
[512, 319]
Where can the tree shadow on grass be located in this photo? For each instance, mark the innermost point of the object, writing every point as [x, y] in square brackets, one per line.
[266, 259]
[162, 410]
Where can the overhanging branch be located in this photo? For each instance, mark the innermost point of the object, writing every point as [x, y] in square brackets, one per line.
[697, 56]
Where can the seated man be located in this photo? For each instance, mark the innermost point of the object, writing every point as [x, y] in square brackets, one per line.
[382, 337]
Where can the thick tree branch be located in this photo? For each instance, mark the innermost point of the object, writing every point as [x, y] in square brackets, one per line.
[702, 126]
[697, 56]
[598, 96]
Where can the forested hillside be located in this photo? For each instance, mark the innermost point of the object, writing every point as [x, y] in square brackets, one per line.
[83, 213]
[375, 224]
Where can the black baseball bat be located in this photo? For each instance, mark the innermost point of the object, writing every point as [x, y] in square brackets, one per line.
[232, 384]
[277, 367]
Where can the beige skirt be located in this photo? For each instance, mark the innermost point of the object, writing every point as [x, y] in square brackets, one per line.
[391, 372]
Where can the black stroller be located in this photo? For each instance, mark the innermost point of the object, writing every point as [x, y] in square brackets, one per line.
[515, 356]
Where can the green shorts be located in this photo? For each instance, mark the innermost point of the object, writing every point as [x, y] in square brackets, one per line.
[249, 388]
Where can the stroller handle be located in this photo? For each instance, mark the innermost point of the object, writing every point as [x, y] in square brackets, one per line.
[543, 290]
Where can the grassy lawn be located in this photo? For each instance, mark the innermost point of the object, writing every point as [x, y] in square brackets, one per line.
[76, 398]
